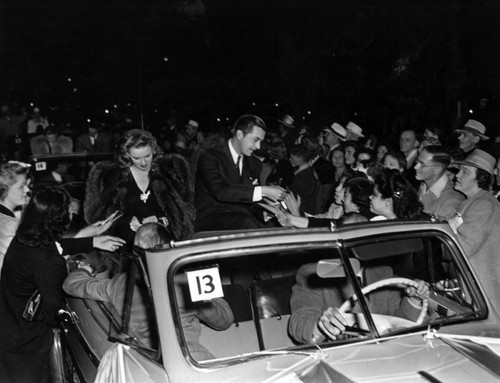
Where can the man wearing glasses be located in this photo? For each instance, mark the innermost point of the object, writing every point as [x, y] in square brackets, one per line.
[436, 189]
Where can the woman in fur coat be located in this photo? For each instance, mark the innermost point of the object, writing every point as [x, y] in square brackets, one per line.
[143, 185]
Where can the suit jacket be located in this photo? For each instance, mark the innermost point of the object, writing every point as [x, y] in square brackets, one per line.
[219, 186]
[103, 143]
[478, 235]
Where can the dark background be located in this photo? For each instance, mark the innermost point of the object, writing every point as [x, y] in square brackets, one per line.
[382, 63]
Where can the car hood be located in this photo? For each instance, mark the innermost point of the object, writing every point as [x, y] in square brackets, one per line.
[416, 357]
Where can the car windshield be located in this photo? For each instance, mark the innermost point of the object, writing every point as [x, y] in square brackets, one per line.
[289, 297]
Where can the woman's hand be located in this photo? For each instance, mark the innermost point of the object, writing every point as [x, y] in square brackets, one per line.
[108, 242]
[97, 228]
[134, 224]
[293, 203]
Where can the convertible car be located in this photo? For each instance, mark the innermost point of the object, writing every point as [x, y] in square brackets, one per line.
[453, 336]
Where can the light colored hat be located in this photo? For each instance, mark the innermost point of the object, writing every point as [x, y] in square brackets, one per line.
[475, 127]
[354, 129]
[36, 110]
[479, 159]
[193, 123]
[338, 130]
[288, 121]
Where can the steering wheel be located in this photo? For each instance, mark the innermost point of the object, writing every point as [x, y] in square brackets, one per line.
[383, 323]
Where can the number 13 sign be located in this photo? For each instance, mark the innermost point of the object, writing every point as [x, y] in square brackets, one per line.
[204, 284]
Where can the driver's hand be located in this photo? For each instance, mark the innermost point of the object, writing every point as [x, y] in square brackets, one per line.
[422, 291]
[331, 324]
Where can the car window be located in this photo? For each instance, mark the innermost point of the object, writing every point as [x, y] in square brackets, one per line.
[246, 301]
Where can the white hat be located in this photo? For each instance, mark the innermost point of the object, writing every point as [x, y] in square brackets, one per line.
[288, 121]
[475, 127]
[354, 129]
[192, 123]
[338, 130]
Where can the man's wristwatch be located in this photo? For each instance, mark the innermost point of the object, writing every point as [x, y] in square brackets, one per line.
[85, 265]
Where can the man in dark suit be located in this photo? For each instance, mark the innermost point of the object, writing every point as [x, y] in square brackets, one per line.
[227, 181]
[95, 140]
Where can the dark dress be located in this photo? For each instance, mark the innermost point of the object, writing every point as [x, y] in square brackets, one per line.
[25, 346]
[138, 204]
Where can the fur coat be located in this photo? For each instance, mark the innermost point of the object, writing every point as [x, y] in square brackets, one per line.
[170, 181]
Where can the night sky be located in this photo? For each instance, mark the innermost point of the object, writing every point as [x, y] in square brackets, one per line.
[375, 61]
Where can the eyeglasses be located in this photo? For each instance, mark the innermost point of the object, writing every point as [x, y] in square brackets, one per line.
[422, 165]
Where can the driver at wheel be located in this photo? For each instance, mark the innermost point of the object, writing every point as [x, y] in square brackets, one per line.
[315, 301]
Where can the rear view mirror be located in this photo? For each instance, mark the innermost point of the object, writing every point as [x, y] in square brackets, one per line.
[334, 268]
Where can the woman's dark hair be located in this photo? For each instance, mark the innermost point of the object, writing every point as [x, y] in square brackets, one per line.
[484, 179]
[300, 151]
[313, 146]
[361, 189]
[135, 138]
[398, 156]
[392, 184]
[46, 217]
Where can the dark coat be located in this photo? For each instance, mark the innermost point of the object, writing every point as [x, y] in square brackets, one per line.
[103, 143]
[220, 190]
[170, 181]
[25, 270]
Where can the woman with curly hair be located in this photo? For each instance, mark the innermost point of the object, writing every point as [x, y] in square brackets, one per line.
[14, 194]
[394, 198]
[33, 262]
[144, 185]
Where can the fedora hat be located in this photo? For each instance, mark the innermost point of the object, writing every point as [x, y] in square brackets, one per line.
[287, 120]
[192, 123]
[354, 129]
[479, 159]
[476, 128]
[338, 130]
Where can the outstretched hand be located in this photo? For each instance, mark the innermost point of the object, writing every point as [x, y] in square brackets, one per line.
[108, 242]
[293, 203]
[97, 228]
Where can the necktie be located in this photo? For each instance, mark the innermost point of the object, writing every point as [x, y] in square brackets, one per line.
[238, 165]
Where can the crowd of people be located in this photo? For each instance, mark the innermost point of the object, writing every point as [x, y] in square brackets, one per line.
[249, 178]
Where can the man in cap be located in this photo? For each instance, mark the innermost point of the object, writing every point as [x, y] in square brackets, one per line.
[477, 222]
[436, 189]
[333, 136]
[286, 130]
[95, 140]
[354, 132]
[470, 135]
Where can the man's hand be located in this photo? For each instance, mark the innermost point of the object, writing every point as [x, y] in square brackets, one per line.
[108, 242]
[274, 193]
[331, 324]
[422, 292]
